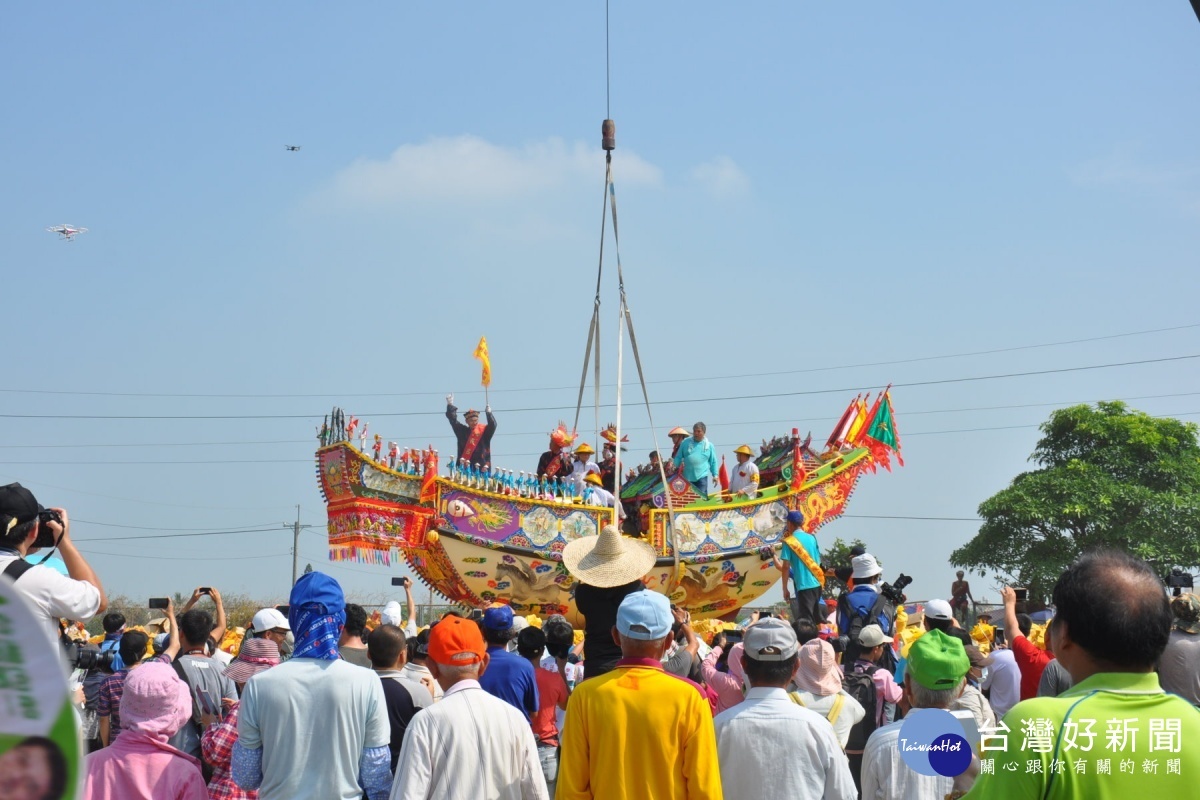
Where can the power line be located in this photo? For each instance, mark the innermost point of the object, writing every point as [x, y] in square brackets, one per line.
[445, 436]
[709, 378]
[689, 400]
[139, 556]
[160, 528]
[173, 536]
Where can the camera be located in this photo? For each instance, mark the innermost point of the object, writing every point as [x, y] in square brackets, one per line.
[1178, 580]
[894, 592]
[45, 536]
[89, 658]
[839, 643]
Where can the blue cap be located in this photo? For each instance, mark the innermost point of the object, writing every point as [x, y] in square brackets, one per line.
[645, 615]
[313, 590]
[796, 517]
[498, 618]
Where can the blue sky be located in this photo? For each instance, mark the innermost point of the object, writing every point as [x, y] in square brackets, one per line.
[803, 187]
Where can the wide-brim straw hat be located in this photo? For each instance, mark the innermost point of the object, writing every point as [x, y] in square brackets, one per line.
[744, 450]
[679, 432]
[609, 559]
[594, 479]
[585, 448]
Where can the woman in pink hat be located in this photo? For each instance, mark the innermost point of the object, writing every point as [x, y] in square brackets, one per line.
[819, 680]
[139, 764]
[219, 736]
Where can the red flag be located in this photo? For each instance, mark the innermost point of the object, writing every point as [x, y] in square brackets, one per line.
[839, 432]
[723, 476]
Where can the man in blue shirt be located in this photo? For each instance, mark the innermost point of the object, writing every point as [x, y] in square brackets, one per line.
[800, 559]
[699, 460]
[508, 676]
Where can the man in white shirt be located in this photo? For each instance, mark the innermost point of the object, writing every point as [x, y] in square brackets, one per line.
[769, 746]
[25, 528]
[743, 483]
[1003, 681]
[471, 744]
[582, 467]
[934, 678]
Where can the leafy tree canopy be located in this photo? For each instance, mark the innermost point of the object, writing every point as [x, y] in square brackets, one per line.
[838, 555]
[1108, 476]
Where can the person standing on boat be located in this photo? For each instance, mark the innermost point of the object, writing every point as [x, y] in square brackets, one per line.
[698, 458]
[474, 439]
[556, 462]
[582, 467]
[743, 485]
[677, 436]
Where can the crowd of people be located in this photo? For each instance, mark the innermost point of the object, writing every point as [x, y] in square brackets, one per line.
[318, 703]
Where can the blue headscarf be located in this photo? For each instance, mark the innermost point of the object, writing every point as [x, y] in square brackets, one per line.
[317, 615]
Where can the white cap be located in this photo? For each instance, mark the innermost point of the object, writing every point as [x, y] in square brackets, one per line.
[938, 609]
[269, 619]
[865, 566]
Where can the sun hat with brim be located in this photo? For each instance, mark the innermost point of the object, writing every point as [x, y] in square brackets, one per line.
[1186, 609]
[585, 448]
[609, 559]
[872, 636]
[679, 432]
[593, 479]
[865, 566]
[937, 661]
[818, 671]
[255, 656]
[744, 450]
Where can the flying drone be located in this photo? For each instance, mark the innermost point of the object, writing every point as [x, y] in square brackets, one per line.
[67, 232]
[292, 148]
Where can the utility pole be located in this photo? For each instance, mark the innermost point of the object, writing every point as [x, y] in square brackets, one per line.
[296, 528]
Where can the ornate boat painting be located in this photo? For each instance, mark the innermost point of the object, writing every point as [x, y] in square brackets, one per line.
[478, 538]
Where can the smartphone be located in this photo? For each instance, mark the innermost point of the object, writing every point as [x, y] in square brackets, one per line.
[400, 581]
[205, 590]
[1021, 592]
[207, 704]
[159, 602]
[732, 637]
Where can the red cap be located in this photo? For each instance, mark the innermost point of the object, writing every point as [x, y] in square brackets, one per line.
[456, 642]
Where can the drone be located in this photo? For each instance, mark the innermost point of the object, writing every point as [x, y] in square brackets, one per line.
[292, 148]
[67, 232]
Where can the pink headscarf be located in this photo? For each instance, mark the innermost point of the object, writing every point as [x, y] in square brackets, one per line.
[735, 663]
[155, 702]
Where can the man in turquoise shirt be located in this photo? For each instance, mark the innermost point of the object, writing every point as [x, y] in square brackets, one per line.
[699, 460]
[1115, 733]
[803, 576]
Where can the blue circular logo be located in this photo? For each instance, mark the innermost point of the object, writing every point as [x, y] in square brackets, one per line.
[932, 742]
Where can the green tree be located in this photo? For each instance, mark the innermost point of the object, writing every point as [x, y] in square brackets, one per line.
[1107, 476]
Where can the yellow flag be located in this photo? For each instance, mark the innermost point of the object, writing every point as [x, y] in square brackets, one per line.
[481, 352]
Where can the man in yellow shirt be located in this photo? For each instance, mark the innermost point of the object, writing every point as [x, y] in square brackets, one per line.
[639, 731]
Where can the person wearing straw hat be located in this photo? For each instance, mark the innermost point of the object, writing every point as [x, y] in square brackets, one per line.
[743, 484]
[677, 435]
[216, 744]
[639, 731]
[583, 466]
[594, 493]
[697, 459]
[607, 568]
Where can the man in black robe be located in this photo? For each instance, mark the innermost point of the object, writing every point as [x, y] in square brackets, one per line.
[474, 439]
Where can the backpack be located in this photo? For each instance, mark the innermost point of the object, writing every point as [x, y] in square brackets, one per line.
[859, 685]
[857, 620]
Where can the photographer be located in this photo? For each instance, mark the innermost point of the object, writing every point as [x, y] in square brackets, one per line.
[26, 527]
[864, 605]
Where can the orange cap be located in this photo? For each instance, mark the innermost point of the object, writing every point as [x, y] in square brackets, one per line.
[456, 642]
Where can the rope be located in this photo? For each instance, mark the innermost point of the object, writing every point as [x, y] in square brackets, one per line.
[627, 317]
[594, 328]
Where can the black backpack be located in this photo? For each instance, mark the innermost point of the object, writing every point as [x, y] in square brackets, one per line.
[859, 685]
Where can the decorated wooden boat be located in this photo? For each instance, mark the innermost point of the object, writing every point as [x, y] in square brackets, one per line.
[477, 539]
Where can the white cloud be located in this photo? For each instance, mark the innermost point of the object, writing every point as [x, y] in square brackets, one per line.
[721, 177]
[467, 169]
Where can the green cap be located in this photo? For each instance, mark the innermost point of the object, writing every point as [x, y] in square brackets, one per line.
[937, 660]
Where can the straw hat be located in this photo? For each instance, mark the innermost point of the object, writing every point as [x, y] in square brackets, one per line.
[744, 450]
[609, 559]
[585, 448]
[593, 479]
[679, 432]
